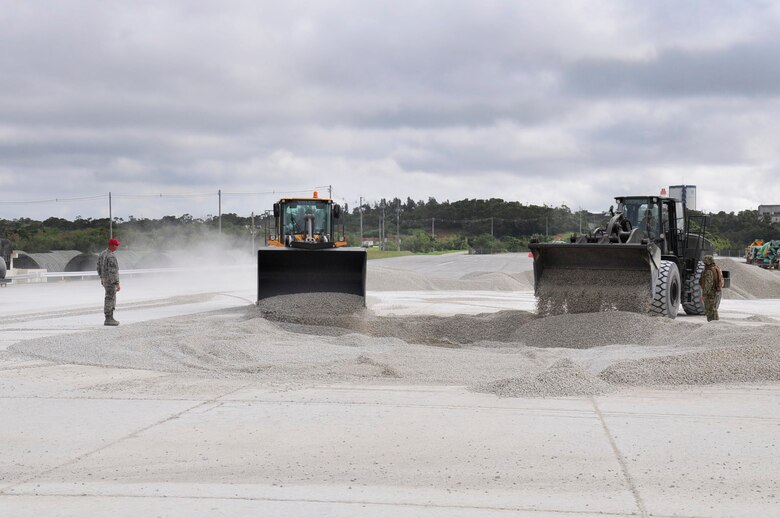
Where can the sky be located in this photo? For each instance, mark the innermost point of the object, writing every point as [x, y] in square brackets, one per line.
[564, 102]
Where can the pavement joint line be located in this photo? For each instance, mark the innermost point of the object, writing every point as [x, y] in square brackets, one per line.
[651, 415]
[621, 460]
[544, 511]
[132, 434]
[546, 412]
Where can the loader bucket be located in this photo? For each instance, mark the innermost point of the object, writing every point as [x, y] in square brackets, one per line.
[592, 256]
[285, 271]
[586, 277]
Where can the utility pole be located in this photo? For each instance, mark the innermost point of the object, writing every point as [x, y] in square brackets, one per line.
[580, 211]
[360, 207]
[267, 225]
[491, 226]
[253, 232]
[384, 205]
[219, 196]
[110, 218]
[433, 233]
[546, 226]
[398, 227]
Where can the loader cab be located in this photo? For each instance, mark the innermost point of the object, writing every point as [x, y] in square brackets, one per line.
[656, 217]
[307, 223]
[311, 217]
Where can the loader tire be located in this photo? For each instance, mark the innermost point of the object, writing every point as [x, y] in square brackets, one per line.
[666, 292]
[692, 286]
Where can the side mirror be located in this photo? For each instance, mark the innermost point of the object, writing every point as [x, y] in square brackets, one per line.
[276, 210]
[611, 210]
[336, 211]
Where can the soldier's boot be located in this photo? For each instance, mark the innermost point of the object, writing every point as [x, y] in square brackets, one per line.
[110, 320]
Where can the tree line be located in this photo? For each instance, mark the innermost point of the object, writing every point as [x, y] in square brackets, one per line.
[492, 225]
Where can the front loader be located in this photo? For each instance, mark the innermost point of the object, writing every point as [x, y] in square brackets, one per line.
[308, 253]
[643, 260]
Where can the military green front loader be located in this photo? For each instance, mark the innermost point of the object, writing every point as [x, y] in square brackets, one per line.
[643, 259]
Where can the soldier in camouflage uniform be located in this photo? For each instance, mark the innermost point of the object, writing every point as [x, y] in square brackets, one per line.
[711, 285]
[108, 270]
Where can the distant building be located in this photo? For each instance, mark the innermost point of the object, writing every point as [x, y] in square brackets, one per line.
[772, 210]
[685, 194]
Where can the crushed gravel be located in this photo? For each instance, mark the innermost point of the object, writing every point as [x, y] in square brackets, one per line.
[298, 341]
[562, 378]
[735, 364]
[588, 291]
[748, 281]
[585, 330]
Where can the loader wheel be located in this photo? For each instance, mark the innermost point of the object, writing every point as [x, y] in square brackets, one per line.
[692, 286]
[666, 293]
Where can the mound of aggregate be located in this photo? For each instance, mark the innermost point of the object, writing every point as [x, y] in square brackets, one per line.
[748, 281]
[563, 378]
[296, 341]
[736, 364]
[585, 330]
[304, 313]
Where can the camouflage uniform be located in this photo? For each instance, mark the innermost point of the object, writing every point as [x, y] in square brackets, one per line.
[108, 270]
[711, 284]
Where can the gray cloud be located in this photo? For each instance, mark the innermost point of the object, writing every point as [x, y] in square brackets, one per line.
[742, 70]
[534, 101]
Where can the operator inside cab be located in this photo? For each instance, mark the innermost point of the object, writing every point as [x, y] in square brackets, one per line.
[649, 220]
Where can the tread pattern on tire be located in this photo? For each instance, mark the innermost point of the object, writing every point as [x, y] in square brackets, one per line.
[661, 304]
[696, 306]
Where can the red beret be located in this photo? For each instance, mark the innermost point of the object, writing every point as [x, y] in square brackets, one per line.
[114, 241]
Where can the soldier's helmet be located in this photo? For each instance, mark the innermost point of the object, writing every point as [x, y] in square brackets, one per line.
[708, 259]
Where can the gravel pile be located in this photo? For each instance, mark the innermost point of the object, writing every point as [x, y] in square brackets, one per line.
[562, 378]
[296, 341]
[510, 354]
[736, 364]
[585, 330]
[748, 281]
[298, 314]
[313, 308]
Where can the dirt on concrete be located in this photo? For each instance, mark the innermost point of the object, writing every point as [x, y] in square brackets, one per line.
[312, 339]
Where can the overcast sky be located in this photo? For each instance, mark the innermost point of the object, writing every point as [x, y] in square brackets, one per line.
[544, 102]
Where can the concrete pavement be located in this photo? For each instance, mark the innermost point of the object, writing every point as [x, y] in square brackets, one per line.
[83, 440]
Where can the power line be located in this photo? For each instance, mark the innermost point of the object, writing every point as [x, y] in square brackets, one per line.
[55, 200]
[161, 195]
[278, 191]
[164, 195]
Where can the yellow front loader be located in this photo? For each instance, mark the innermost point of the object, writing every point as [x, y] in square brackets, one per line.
[308, 252]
